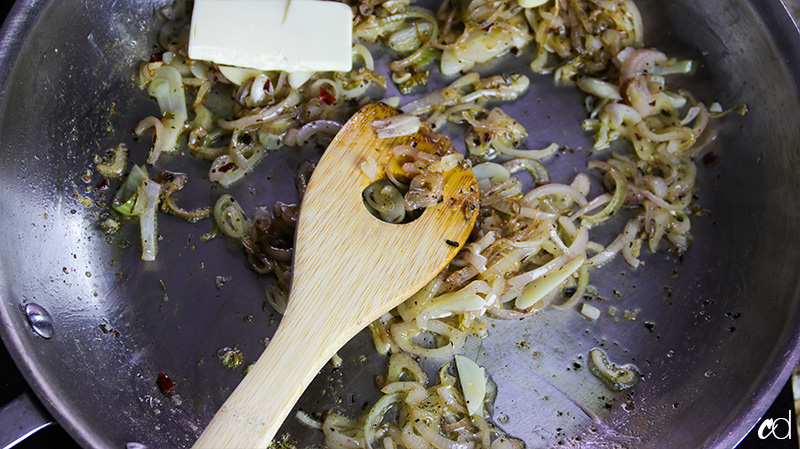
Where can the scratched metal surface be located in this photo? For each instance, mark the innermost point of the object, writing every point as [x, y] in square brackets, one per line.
[724, 336]
[794, 8]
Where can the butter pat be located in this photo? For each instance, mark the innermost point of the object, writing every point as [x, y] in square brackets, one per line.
[288, 35]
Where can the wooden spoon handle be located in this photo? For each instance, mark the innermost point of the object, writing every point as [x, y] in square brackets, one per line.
[255, 411]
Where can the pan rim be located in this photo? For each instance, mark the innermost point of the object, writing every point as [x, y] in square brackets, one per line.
[18, 25]
[785, 34]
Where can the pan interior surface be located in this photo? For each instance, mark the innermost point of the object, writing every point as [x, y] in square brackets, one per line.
[713, 332]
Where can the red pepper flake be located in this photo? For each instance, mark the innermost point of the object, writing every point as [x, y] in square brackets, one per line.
[155, 57]
[165, 384]
[268, 87]
[102, 185]
[326, 96]
[226, 167]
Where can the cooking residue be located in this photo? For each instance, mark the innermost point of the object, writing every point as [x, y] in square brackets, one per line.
[616, 378]
[230, 358]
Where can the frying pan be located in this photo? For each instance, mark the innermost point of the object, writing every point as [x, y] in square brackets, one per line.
[715, 332]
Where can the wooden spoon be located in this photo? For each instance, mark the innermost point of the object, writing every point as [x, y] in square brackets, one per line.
[349, 269]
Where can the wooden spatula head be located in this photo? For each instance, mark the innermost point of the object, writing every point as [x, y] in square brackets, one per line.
[340, 243]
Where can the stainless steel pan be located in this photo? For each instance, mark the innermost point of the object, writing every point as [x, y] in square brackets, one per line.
[716, 337]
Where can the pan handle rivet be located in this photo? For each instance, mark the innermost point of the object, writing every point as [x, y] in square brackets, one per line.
[40, 320]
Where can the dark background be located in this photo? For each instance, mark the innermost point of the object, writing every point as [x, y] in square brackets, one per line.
[13, 385]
